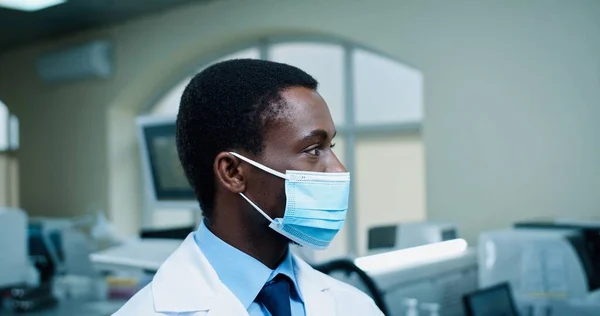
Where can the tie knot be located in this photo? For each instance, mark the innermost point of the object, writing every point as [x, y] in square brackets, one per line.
[275, 296]
[279, 279]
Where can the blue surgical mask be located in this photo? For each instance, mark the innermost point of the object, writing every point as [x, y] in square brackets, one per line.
[316, 205]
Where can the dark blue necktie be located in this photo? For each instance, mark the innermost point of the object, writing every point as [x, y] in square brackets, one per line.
[275, 296]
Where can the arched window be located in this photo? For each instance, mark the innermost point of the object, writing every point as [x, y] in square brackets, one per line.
[9, 142]
[377, 105]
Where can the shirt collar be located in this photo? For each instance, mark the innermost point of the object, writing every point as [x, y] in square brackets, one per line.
[247, 282]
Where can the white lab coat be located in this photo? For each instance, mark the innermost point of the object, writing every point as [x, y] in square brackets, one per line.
[186, 284]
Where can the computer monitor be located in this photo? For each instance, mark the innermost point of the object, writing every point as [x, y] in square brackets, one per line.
[410, 234]
[496, 300]
[382, 237]
[165, 184]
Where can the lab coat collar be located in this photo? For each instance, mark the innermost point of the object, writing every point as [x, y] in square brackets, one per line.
[314, 288]
[186, 282]
[226, 260]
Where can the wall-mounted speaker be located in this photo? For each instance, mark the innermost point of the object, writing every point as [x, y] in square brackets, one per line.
[86, 61]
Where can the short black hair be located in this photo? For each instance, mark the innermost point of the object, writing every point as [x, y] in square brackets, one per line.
[228, 106]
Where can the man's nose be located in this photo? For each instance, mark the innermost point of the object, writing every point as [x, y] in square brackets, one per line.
[335, 165]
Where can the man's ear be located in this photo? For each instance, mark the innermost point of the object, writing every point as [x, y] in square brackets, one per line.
[229, 172]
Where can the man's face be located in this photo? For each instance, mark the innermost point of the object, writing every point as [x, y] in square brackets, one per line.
[300, 139]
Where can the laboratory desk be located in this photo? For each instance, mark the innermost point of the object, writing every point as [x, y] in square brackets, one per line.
[75, 308]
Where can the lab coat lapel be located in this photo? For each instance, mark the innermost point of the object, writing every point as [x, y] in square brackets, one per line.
[315, 292]
[227, 305]
[187, 283]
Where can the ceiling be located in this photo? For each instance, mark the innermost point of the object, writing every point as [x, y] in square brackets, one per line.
[72, 16]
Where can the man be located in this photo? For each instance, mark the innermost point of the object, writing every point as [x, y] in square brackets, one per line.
[255, 140]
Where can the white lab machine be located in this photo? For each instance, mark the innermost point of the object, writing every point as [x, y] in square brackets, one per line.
[15, 268]
[547, 269]
[135, 255]
[433, 276]
[410, 234]
[422, 266]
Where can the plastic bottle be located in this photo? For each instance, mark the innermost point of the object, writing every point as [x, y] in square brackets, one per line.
[432, 309]
[411, 307]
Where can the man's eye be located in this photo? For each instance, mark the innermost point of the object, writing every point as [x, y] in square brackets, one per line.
[314, 151]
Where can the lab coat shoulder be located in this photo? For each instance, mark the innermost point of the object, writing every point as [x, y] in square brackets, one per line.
[352, 299]
[186, 284]
[140, 304]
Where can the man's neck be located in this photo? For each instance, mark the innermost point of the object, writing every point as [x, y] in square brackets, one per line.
[264, 245]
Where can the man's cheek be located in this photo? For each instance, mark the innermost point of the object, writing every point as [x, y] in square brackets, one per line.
[281, 201]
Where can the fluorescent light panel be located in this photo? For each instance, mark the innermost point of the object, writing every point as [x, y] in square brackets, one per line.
[411, 256]
[29, 5]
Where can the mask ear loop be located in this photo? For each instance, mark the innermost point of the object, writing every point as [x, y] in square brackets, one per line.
[264, 168]
[260, 166]
[256, 207]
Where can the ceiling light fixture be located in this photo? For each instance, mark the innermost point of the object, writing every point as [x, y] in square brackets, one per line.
[29, 5]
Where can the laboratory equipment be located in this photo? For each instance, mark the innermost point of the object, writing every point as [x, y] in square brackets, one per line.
[411, 234]
[60, 246]
[137, 255]
[73, 307]
[411, 307]
[28, 299]
[430, 309]
[439, 273]
[495, 300]
[545, 268]
[15, 267]
[45, 250]
[165, 183]
[589, 229]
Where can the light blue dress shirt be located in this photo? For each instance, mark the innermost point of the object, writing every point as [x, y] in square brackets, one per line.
[244, 275]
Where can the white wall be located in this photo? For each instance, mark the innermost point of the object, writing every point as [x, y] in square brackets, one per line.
[390, 186]
[512, 92]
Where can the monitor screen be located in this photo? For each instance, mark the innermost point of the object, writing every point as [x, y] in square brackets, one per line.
[449, 234]
[166, 173]
[382, 237]
[493, 301]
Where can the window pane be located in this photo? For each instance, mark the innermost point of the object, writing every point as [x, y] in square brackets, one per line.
[14, 132]
[386, 91]
[168, 105]
[389, 181]
[252, 53]
[4, 141]
[325, 62]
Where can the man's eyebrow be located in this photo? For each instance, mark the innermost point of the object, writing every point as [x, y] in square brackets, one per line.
[319, 133]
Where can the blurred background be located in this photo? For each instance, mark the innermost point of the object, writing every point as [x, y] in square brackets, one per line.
[455, 117]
